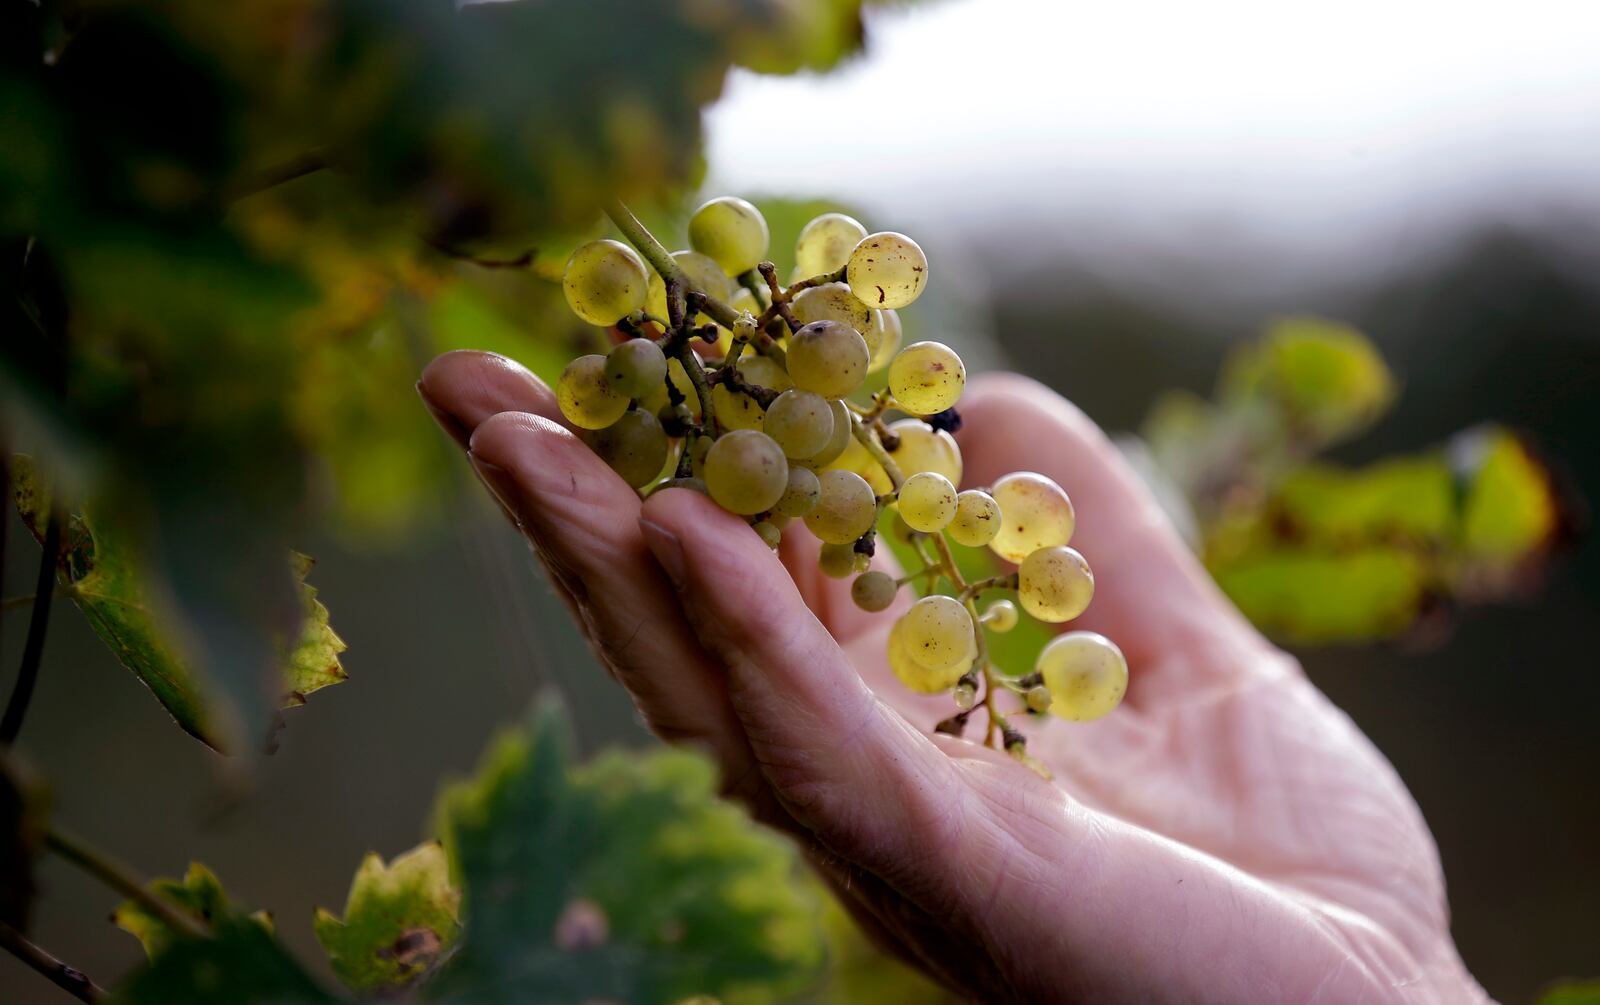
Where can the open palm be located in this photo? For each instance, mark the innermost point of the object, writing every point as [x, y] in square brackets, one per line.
[1225, 835]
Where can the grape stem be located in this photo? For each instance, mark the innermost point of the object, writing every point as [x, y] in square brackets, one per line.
[664, 264]
[69, 979]
[752, 282]
[780, 299]
[1006, 582]
[123, 880]
[869, 439]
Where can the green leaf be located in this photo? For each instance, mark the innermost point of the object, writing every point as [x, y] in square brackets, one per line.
[399, 921]
[1365, 592]
[624, 880]
[24, 811]
[1572, 993]
[199, 893]
[241, 965]
[1328, 379]
[1510, 510]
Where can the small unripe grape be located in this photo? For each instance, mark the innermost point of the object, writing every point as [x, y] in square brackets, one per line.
[1038, 699]
[833, 302]
[1086, 673]
[827, 357]
[769, 533]
[731, 231]
[840, 438]
[911, 672]
[634, 446]
[636, 368]
[860, 563]
[1055, 584]
[586, 397]
[883, 339]
[1000, 616]
[703, 274]
[1034, 513]
[927, 377]
[605, 281]
[873, 591]
[977, 519]
[801, 422]
[801, 494]
[824, 244]
[927, 502]
[966, 696]
[846, 509]
[837, 561]
[939, 633]
[746, 472]
[920, 447]
[887, 270]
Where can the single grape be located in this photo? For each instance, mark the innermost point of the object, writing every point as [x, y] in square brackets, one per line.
[735, 409]
[920, 447]
[927, 502]
[801, 494]
[1055, 584]
[1000, 616]
[977, 519]
[769, 533]
[966, 696]
[801, 422]
[883, 338]
[887, 270]
[840, 438]
[837, 561]
[912, 673]
[1086, 673]
[1034, 513]
[939, 633]
[927, 377]
[586, 397]
[763, 371]
[636, 368]
[827, 357]
[605, 281]
[746, 472]
[703, 274]
[846, 509]
[731, 231]
[634, 446]
[833, 302]
[1038, 698]
[824, 244]
[873, 591]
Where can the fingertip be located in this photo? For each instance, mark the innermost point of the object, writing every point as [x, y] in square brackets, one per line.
[462, 389]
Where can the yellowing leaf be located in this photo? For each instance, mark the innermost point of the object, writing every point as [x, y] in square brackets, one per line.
[1328, 379]
[399, 921]
[199, 894]
[1510, 509]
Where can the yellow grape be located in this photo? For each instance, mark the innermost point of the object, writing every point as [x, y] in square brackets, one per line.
[824, 244]
[887, 270]
[923, 448]
[801, 422]
[1034, 513]
[977, 519]
[927, 377]
[735, 409]
[634, 446]
[703, 275]
[1086, 673]
[1055, 584]
[605, 281]
[939, 633]
[913, 674]
[801, 494]
[746, 472]
[1000, 616]
[637, 368]
[846, 509]
[731, 231]
[833, 302]
[838, 440]
[883, 338]
[762, 371]
[827, 357]
[586, 397]
[927, 501]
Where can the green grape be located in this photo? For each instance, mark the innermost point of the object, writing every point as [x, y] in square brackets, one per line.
[966, 696]
[846, 509]
[735, 409]
[746, 472]
[1086, 673]
[1000, 616]
[824, 244]
[1055, 584]
[939, 633]
[801, 422]
[770, 534]
[883, 338]
[827, 357]
[1034, 513]
[977, 519]
[634, 446]
[801, 494]
[837, 561]
[605, 281]
[586, 397]
[637, 368]
[703, 274]
[927, 377]
[840, 438]
[658, 399]
[873, 591]
[887, 270]
[927, 502]
[913, 674]
[731, 231]
[763, 371]
[920, 447]
[833, 302]
[1038, 698]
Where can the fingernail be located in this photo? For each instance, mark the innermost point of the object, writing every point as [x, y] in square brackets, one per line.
[668, 550]
[500, 485]
[449, 423]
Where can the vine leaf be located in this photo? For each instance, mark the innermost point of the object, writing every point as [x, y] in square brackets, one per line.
[1572, 993]
[399, 921]
[242, 964]
[199, 893]
[625, 880]
[106, 581]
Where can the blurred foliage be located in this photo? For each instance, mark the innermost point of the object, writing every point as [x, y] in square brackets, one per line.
[1572, 993]
[399, 921]
[199, 894]
[1319, 552]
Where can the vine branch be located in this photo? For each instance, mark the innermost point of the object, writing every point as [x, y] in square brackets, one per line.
[69, 979]
[38, 624]
[122, 879]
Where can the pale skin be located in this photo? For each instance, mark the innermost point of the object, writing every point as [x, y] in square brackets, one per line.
[1225, 835]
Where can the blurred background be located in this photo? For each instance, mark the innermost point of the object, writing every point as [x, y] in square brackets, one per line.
[1113, 197]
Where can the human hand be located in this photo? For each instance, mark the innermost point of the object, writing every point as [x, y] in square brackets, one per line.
[1225, 835]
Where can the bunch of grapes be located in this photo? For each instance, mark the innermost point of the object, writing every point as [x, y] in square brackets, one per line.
[729, 383]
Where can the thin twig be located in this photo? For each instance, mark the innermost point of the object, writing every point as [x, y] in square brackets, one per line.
[123, 880]
[69, 979]
[38, 623]
[664, 264]
[12, 603]
[307, 163]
